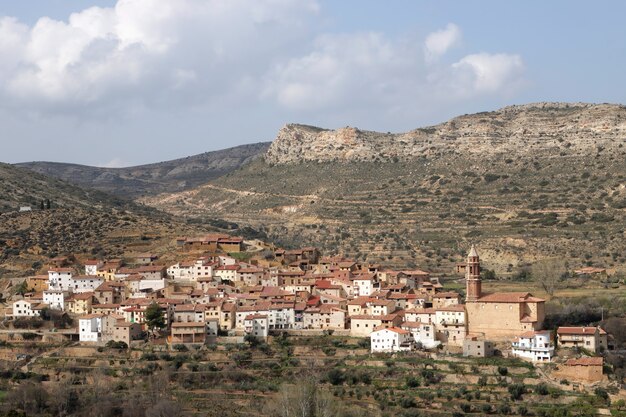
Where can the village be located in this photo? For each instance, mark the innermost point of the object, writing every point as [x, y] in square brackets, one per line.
[210, 293]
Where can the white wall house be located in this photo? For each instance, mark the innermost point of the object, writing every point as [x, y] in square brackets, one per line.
[85, 283]
[534, 346]
[55, 299]
[256, 325]
[91, 267]
[90, 328]
[60, 279]
[392, 339]
[423, 333]
[363, 286]
[24, 308]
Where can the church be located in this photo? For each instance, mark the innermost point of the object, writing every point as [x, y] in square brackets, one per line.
[499, 315]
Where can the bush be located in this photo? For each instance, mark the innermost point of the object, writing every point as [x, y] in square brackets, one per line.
[412, 382]
[335, 376]
[503, 370]
[179, 347]
[516, 391]
[542, 389]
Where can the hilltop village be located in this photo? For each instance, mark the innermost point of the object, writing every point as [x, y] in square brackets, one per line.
[212, 293]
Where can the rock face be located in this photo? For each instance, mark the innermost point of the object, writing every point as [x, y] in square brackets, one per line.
[574, 128]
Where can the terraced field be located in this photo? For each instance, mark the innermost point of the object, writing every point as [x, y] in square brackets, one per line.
[336, 373]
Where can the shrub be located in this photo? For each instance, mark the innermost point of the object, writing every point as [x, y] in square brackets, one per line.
[412, 382]
[542, 389]
[516, 391]
[335, 376]
[503, 370]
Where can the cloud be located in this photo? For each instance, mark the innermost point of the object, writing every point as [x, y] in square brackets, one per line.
[150, 57]
[438, 43]
[387, 76]
[144, 53]
[489, 73]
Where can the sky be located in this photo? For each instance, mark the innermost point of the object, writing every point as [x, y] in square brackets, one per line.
[125, 82]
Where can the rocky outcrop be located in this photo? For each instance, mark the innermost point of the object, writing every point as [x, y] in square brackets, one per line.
[550, 128]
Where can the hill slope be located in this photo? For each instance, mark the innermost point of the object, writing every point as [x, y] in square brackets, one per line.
[87, 223]
[170, 176]
[525, 182]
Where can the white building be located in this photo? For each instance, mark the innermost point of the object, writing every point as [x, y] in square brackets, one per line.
[534, 346]
[363, 285]
[256, 325]
[226, 272]
[25, 308]
[392, 339]
[55, 299]
[92, 266]
[423, 333]
[60, 279]
[90, 328]
[191, 270]
[85, 283]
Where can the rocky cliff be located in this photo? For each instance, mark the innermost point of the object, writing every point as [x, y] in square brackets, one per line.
[552, 128]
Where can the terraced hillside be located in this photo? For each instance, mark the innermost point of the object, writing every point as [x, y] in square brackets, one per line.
[169, 176]
[335, 375]
[524, 182]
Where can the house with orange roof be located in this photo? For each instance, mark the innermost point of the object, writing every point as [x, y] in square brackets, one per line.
[324, 316]
[392, 339]
[593, 339]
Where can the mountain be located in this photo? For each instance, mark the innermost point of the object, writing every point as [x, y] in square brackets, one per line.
[524, 182]
[170, 176]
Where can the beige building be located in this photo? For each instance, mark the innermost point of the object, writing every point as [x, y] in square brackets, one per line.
[363, 325]
[325, 316]
[499, 316]
[594, 339]
[587, 370]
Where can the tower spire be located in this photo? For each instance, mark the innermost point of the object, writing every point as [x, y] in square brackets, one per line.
[473, 283]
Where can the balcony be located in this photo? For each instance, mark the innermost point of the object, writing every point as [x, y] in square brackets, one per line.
[532, 348]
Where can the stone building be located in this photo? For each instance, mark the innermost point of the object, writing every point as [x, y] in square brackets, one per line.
[501, 315]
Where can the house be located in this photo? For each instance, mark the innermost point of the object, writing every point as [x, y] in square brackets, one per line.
[586, 369]
[189, 313]
[80, 303]
[256, 325]
[37, 283]
[91, 266]
[474, 347]
[324, 316]
[451, 324]
[55, 299]
[392, 339]
[535, 346]
[195, 333]
[85, 283]
[90, 328]
[594, 339]
[364, 284]
[423, 333]
[60, 279]
[363, 325]
[145, 258]
[445, 299]
[26, 308]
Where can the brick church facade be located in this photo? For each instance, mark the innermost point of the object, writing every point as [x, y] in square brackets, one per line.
[500, 315]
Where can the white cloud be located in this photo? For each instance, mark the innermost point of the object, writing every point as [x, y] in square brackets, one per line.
[489, 73]
[438, 43]
[146, 52]
[387, 76]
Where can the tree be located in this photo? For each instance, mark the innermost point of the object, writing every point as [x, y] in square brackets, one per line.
[47, 204]
[154, 317]
[548, 273]
[22, 288]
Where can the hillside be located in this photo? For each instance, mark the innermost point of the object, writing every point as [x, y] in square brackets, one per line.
[525, 182]
[84, 222]
[170, 176]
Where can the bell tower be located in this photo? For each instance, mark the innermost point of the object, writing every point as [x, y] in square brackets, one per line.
[473, 285]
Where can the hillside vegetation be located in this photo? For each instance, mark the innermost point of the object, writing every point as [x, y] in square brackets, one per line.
[525, 182]
[169, 176]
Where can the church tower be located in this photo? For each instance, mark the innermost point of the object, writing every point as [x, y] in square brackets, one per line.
[473, 286]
